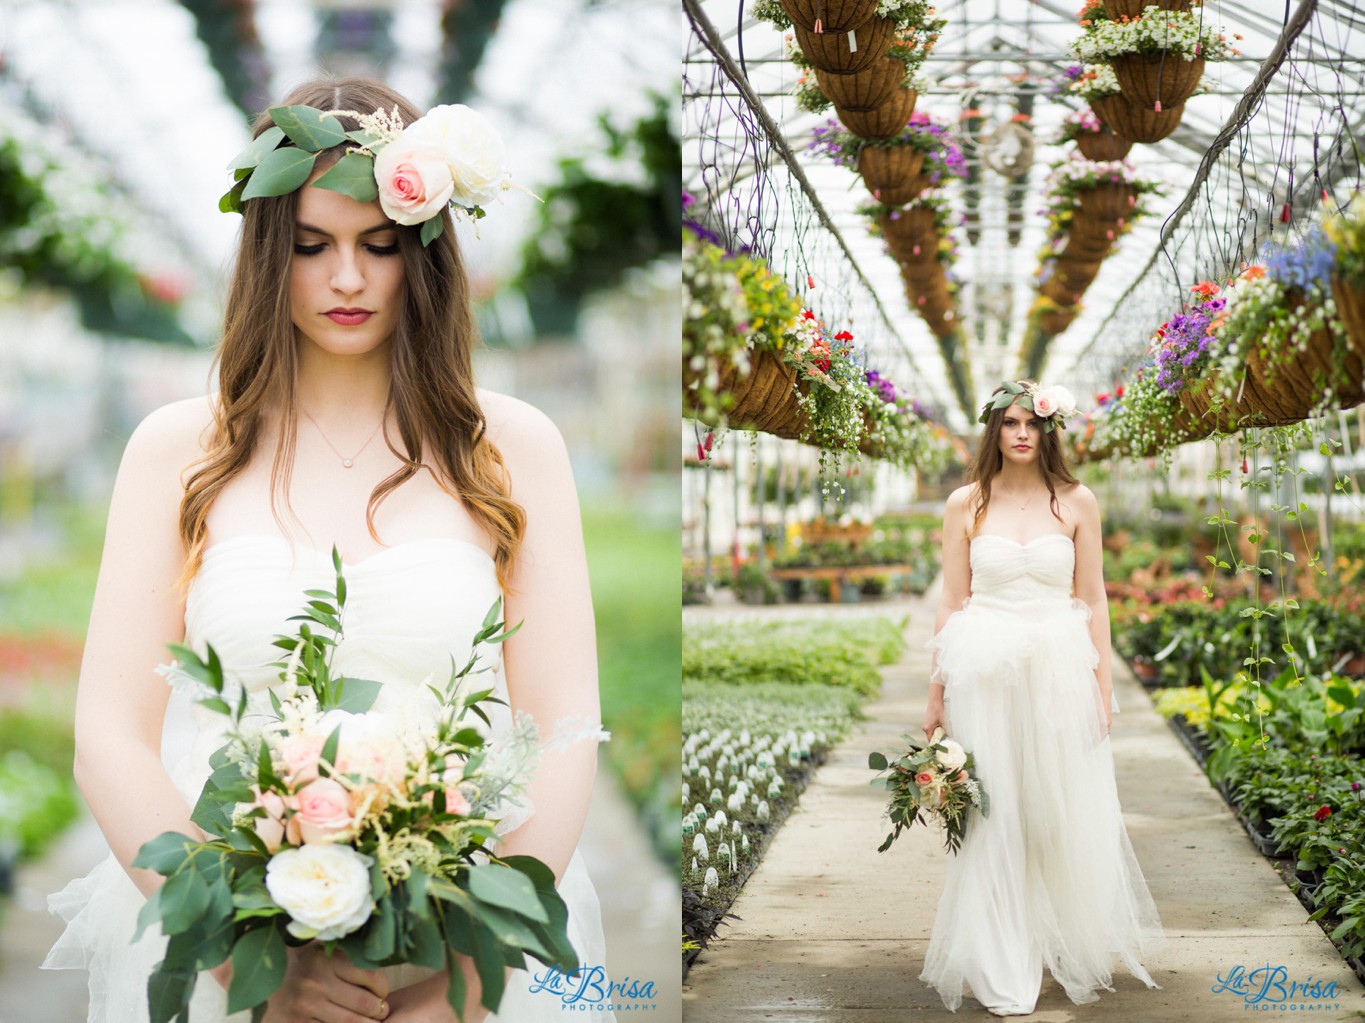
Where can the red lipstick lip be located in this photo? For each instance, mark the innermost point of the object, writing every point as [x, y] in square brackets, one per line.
[1023, 447]
[349, 309]
[349, 317]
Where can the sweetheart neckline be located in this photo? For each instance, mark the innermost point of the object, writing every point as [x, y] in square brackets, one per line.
[347, 565]
[1010, 539]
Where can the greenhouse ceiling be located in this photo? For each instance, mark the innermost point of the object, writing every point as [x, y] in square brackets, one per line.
[1004, 58]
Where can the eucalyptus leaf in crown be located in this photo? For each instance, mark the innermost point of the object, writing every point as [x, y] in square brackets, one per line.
[450, 157]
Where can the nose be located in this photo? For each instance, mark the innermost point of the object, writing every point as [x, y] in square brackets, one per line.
[347, 278]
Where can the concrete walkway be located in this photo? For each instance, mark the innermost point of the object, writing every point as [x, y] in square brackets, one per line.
[639, 897]
[832, 931]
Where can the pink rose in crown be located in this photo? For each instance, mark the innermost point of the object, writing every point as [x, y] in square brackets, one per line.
[1045, 403]
[324, 812]
[414, 184]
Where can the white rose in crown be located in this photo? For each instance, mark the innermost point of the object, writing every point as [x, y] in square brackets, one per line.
[952, 756]
[1045, 402]
[415, 181]
[1066, 401]
[325, 889]
[471, 147]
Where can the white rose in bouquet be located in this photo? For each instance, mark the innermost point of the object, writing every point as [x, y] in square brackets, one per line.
[952, 756]
[325, 889]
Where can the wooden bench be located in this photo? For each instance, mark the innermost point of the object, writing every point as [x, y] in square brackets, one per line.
[838, 574]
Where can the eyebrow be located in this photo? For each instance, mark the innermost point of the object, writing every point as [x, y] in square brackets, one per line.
[369, 230]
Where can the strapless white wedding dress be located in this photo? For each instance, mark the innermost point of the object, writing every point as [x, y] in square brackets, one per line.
[1049, 879]
[410, 608]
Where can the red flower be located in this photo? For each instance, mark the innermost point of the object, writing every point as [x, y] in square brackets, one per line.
[1206, 288]
[806, 314]
[1322, 813]
[1119, 392]
[843, 335]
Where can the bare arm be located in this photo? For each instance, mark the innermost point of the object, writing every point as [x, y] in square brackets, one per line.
[121, 701]
[551, 667]
[1090, 589]
[957, 585]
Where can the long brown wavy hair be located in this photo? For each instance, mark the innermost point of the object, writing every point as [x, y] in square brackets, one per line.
[989, 461]
[432, 388]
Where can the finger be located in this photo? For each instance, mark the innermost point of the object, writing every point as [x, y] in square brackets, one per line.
[372, 980]
[350, 1003]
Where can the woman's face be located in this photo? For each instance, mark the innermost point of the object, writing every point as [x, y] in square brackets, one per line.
[1021, 434]
[346, 280]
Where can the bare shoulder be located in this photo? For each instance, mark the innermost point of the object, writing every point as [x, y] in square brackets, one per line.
[171, 437]
[957, 500]
[525, 436]
[1080, 500]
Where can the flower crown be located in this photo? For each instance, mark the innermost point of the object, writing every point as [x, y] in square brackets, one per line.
[452, 156]
[1053, 405]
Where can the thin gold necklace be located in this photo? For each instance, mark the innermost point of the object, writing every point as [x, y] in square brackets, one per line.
[345, 462]
[1015, 501]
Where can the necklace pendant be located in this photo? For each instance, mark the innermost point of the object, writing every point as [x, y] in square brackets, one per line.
[347, 462]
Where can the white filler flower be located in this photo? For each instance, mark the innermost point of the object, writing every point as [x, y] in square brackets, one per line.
[324, 888]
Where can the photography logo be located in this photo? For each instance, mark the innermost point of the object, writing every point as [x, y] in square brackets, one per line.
[589, 987]
[1270, 989]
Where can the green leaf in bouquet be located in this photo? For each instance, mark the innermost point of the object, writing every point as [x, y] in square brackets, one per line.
[381, 932]
[168, 993]
[184, 899]
[246, 840]
[266, 777]
[203, 946]
[505, 887]
[336, 560]
[192, 665]
[488, 962]
[216, 703]
[877, 761]
[355, 695]
[258, 964]
[456, 986]
[328, 757]
[424, 946]
[165, 853]
[149, 914]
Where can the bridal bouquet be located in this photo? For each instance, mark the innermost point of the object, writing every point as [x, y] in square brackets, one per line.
[934, 779]
[359, 830]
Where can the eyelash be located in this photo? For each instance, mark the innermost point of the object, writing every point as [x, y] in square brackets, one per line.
[375, 250]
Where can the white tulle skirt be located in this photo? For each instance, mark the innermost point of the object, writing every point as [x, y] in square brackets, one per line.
[1049, 879]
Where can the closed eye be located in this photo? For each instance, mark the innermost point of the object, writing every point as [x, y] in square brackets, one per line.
[374, 250]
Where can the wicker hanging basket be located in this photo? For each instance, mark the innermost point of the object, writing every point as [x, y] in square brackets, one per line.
[1077, 274]
[1111, 201]
[1135, 122]
[845, 52]
[863, 90]
[888, 119]
[1119, 9]
[911, 236]
[831, 15]
[1151, 78]
[1089, 239]
[888, 171]
[765, 398]
[1102, 145]
[1059, 291]
[1054, 321]
[1299, 376]
[1351, 310]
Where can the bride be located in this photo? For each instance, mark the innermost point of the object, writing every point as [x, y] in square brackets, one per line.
[1021, 678]
[346, 414]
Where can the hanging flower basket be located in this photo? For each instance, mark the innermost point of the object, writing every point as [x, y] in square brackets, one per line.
[864, 90]
[1120, 9]
[765, 399]
[1077, 274]
[833, 51]
[1135, 122]
[1298, 375]
[1152, 79]
[1054, 321]
[1111, 201]
[1102, 145]
[886, 120]
[1059, 291]
[831, 15]
[1089, 239]
[1351, 310]
[889, 171]
[912, 236]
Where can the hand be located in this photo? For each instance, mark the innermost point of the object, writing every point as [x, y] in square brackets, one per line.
[1108, 713]
[933, 718]
[319, 988]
